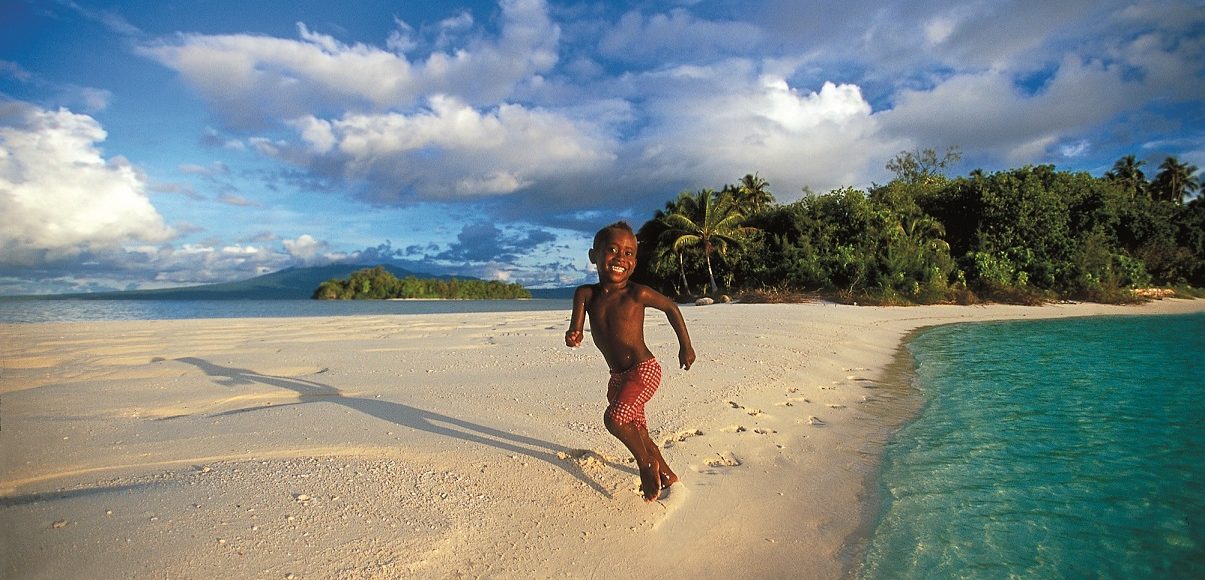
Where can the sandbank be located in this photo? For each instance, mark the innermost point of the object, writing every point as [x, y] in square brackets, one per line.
[449, 444]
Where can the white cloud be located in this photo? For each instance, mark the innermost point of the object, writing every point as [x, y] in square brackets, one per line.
[253, 80]
[716, 125]
[307, 250]
[59, 196]
[677, 36]
[661, 100]
[167, 265]
[987, 112]
[452, 149]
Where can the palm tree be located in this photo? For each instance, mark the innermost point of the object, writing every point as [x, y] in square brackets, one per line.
[658, 255]
[1175, 180]
[925, 231]
[708, 220]
[753, 193]
[1128, 172]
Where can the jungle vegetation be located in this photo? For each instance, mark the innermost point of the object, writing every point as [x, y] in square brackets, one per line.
[1025, 235]
[378, 283]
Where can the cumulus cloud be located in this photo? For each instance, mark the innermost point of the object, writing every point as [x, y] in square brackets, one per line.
[251, 81]
[308, 250]
[450, 149]
[988, 112]
[167, 265]
[714, 129]
[59, 196]
[552, 118]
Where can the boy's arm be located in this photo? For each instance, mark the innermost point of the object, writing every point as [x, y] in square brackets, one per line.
[655, 299]
[573, 336]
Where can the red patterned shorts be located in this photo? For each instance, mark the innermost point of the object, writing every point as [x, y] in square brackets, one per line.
[629, 390]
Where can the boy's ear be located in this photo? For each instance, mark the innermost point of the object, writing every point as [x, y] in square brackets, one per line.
[591, 255]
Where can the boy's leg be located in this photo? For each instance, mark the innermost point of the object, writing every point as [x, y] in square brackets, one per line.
[647, 457]
[627, 393]
[665, 474]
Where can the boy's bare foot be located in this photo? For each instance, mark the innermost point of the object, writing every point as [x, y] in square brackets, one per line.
[650, 482]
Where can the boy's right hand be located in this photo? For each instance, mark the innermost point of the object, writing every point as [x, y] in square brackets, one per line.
[573, 338]
[686, 357]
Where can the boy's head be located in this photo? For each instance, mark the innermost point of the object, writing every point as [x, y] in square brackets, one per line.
[617, 226]
[614, 252]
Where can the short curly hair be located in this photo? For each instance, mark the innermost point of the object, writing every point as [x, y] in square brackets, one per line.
[619, 225]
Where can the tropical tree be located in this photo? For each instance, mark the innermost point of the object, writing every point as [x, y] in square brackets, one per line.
[753, 194]
[1127, 172]
[706, 220]
[1174, 181]
[922, 167]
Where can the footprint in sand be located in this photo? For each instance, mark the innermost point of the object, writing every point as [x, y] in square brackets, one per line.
[761, 431]
[587, 459]
[753, 412]
[735, 405]
[814, 421]
[835, 406]
[734, 429]
[726, 459]
[680, 437]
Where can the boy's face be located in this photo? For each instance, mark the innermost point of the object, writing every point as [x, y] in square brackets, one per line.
[615, 256]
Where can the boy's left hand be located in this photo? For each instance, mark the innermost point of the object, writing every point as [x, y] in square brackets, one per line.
[686, 357]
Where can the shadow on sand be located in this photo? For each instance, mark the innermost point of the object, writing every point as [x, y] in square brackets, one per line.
[403, 415]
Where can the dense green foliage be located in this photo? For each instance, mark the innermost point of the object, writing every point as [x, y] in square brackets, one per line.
[1021, 235]
[378, 283]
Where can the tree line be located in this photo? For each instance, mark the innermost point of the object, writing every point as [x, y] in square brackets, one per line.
[1023, 235]
[379, 284]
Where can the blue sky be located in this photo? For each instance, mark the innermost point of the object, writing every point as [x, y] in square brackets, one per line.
[158, 143]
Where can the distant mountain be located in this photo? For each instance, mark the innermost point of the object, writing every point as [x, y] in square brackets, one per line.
[287, 284]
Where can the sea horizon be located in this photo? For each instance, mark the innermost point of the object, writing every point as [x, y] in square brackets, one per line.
[35, 311]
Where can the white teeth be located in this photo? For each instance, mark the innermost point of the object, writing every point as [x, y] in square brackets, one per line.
[620, 269]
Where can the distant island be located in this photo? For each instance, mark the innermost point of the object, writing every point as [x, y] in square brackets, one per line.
[380, 284]
[287, 284]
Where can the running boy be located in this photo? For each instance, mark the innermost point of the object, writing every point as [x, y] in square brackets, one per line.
[616, 309]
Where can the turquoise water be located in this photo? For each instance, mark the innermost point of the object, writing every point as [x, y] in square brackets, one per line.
[1050, 449]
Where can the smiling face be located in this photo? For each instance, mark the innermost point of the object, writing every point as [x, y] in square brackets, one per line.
[614, 254]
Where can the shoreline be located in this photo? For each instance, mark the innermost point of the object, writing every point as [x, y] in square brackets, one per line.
[450, 443]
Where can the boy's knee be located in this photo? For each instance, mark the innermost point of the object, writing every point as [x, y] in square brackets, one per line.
[617, 421]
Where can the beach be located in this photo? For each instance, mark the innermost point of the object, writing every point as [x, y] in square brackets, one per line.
[443, 445]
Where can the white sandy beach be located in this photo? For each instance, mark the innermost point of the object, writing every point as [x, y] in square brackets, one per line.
[447, 445]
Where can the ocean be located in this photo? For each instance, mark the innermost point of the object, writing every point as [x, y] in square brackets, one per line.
[1069, 448]
[28, 311]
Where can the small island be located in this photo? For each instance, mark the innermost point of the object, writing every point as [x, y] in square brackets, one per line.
[379, 284]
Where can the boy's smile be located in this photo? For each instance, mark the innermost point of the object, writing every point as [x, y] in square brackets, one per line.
[615, 258]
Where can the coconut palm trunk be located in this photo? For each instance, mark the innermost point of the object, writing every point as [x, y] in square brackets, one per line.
[682, 271]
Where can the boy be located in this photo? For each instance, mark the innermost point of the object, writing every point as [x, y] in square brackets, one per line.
[616, 309]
